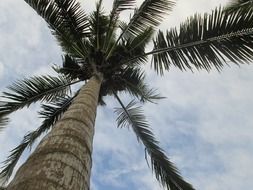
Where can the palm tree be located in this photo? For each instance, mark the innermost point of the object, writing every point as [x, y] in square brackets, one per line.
[106, 56]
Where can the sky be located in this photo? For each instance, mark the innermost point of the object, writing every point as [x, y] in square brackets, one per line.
[204, 125]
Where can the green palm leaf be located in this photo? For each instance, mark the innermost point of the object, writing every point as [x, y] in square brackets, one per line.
[136, 46]
[3, 122]
[99, 25]
[132, 46]
[131, 80]
[121, 5]
[74, 68]
[241, 6]
[165, 171]
[134, 81]
[141, 40]
[67, 22]
[205, 41]
[143, 92]
[51, 114]
[149, 14]
[118, 6]
[30, 90]
[75, 20]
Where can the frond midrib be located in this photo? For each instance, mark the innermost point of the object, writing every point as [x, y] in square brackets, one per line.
[191, 44]
[36, 97]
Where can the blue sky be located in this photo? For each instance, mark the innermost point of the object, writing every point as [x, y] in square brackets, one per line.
[205, 124]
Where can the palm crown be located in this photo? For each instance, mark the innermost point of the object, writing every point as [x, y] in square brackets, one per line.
[102, 45]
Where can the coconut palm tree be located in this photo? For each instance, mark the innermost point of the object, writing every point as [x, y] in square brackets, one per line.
[106, 56]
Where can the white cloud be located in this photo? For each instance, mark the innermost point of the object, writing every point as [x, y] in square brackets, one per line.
[1, 70]
[26, 42]
[204, 125]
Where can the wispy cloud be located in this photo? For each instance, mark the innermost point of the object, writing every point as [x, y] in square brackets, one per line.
[1, 70]
[204, 125]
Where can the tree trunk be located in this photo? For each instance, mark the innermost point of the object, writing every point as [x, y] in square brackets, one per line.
[62, 160]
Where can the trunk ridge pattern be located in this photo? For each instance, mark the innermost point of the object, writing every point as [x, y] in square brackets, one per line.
[62, 160]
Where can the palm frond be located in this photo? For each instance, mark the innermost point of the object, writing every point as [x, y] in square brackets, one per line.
[29, 90]
[121, 54]
[132, 46]
[3, 122]
[118, 6]
[141, 40]
[75, 20]
[74, 68]
[134, 81]
[143, 92]
[98, 26]
[130, 80]
[121, 5]
[205, 42]
[64, 26]
[240, 6]
[165, 171]
[149, 14]
[51, 114]
[136, 46]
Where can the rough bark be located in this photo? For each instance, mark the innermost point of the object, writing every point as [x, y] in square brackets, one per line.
[62, 160]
